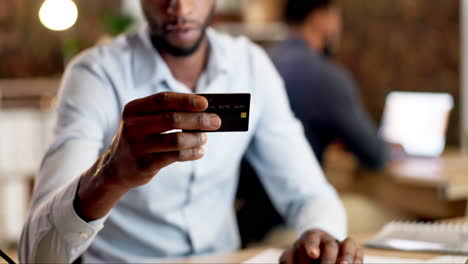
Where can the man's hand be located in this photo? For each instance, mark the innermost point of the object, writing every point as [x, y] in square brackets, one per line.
[316, 246]
[140, 148]
[397, 152]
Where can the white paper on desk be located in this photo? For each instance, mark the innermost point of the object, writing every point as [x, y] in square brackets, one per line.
[449, 260]
[271, 256]
[268, 256]
[388, 260]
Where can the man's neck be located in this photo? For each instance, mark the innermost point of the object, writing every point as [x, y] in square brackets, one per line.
[188, 70]
[313, 39]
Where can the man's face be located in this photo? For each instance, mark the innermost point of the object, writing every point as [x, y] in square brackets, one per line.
[178, 26]
[332, 28]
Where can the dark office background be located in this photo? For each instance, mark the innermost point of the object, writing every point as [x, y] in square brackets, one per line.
[411, 45]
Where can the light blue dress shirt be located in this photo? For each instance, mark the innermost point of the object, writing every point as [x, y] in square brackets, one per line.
[187, 209]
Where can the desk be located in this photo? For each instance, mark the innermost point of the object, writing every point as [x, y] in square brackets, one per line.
[35, 93]
[244, 255]
[432, 188]
[237, 257]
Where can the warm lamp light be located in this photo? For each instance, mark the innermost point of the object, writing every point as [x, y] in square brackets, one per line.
[58, 15]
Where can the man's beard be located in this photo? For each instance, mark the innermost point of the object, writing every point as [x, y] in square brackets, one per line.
[329, 50]
[160, 41]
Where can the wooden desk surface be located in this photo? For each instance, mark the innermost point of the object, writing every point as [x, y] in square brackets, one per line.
[449, 169]
[244, 255]
[237, 257]
[433, 188]
[449, 173]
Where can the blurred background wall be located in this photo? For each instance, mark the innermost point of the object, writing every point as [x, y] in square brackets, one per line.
[28, 49]
[408, 45]
[464, 73]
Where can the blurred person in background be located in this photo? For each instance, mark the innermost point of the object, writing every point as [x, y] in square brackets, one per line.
[323, 95]
[114, 187]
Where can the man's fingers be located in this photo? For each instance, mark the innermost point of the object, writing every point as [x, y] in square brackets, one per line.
[317, 245]
[312, 244]
[185, 155]
[154, 144]
[359, 256]
[287, 257]
[329, 251]
[165, 102]
[161, 123]
[156, 162]
[347, 252]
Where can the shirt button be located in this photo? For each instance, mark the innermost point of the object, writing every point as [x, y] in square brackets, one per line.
[84, 235]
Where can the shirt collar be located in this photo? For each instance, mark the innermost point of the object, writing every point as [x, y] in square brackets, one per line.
[218, 56]
[149, 67]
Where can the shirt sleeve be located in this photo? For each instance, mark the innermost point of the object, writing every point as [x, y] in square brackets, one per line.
[53, 232]
[284, 160]
[345, 116]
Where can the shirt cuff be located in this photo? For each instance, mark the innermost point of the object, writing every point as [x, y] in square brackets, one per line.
[327, 214]
[76, 232]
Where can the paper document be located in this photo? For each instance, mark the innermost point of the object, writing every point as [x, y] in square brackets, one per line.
[271, 256]
[266, 257]
[438, 260]
[449, 260]
[428, 237]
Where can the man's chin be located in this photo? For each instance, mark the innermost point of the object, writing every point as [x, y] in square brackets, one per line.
[179, 45]
[184, 39]
[184, 47]
[182, 50]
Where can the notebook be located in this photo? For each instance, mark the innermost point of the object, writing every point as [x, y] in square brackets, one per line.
[424, 237]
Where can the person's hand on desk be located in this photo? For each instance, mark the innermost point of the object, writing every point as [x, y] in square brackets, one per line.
[317, 246]
[397, 151]
[140, 148]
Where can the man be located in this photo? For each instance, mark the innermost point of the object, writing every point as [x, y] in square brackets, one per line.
[322, 94]
[114, 187]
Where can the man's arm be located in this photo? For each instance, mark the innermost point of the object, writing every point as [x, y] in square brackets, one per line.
[346, 117]
[140, 148]
[291, 174]
[70, 201]
[286, 165]
[53, 231]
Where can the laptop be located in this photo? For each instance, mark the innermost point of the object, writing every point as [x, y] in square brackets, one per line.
[417, 121]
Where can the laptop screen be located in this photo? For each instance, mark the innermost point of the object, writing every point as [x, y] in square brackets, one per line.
[417, 121]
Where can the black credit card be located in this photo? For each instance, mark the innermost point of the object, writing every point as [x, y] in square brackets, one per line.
[233, 109]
